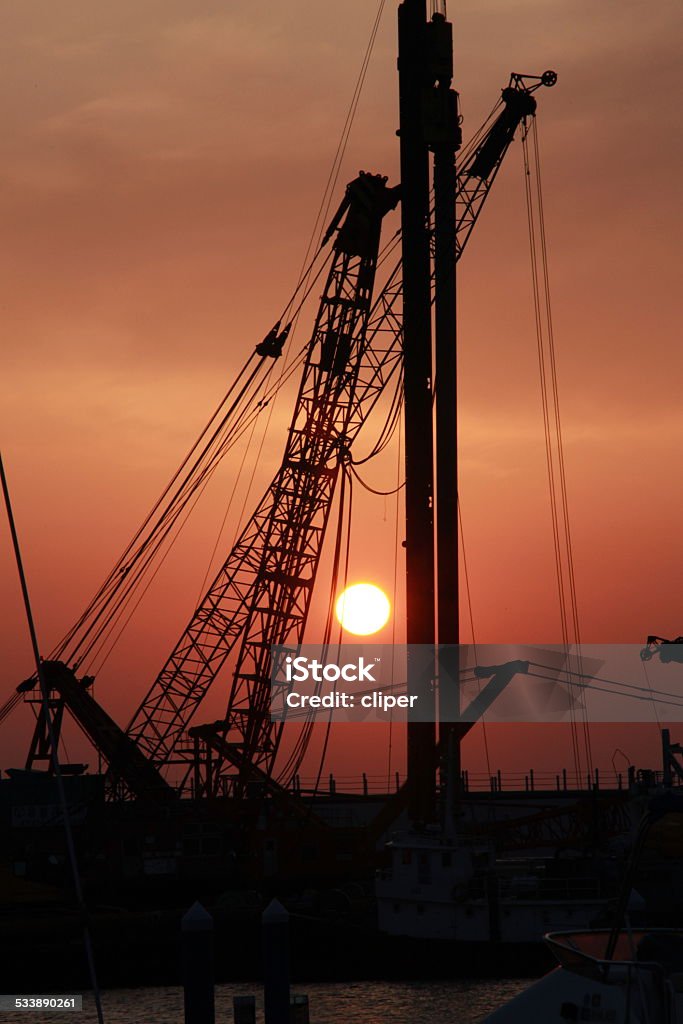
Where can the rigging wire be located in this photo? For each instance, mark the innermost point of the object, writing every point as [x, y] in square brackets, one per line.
[123, 569]
[323, 212]
[550, 333]
[125, 576]
[373, 490]
[346, 477]
[343, 526]
[54, 751]
[118, 567]
[121, 572]
[648, 690]
[549, 397]
[255, 462]
[389, 427]
[641, 694]
[115, 594]
[468, 592]
[395, 585]
[654, 705]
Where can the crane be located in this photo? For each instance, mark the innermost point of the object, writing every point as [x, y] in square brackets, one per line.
[262, 592]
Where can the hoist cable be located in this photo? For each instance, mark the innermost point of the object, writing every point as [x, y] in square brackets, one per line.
[159, 530]
[553, 405]
[389, 428]
[302, 282]
[196, 477]
[468, 592]
[558, 420]
[348, 124]
[373, 490]
[129, 548]
[644, 696]
[9, 705]
[399, 467]
[348, 480]
[654, 706]
[550, 468]
[648, 690]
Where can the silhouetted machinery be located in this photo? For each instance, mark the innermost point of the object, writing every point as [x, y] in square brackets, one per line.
[262, 594]
[665, 650]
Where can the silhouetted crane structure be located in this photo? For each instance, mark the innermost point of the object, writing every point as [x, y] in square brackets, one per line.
[261, 596]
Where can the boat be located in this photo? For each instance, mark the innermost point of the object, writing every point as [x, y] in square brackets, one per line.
[640, 982]
[628, 974]
[455, 891]
[181, 807]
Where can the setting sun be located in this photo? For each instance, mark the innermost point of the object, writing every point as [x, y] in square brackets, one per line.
[363, 609]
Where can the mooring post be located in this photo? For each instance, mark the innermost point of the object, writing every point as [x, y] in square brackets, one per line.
[275, 933]
[197, 965]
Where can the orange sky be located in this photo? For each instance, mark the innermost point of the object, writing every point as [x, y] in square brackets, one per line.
[162, 165]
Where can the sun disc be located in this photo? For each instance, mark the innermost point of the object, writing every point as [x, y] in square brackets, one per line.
[362, 609]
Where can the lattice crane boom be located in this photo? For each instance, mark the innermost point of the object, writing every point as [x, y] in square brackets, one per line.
[262, 591]
[261, 595]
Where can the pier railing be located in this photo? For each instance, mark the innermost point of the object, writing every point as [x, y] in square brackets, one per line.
[532, 781]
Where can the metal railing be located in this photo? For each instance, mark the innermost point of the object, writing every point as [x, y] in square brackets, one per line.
[532, 781]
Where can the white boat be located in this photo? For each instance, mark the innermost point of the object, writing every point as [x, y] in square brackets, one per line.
[441, 888]
[625, 975]
[639, 982]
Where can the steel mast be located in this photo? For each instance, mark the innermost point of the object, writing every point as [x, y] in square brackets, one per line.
[446, 138]
[414, 86]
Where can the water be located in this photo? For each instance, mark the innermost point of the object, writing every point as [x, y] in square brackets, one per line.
[449, 1002]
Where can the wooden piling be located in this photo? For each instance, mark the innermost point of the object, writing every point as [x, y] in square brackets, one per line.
[197, 965]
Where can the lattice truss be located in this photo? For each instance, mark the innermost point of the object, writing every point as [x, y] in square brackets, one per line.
[262, 593]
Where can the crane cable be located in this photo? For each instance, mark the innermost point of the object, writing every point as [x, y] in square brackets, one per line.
[344, 521]
[304, 282]
[121, 570]
[554, 448]
[558, 427]
[116, 592]
[399, 467]
[54, 755]
[468, 592]
[287, 313]
[550, 469]
[319, 225]
[334, 589]
[331, 184]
